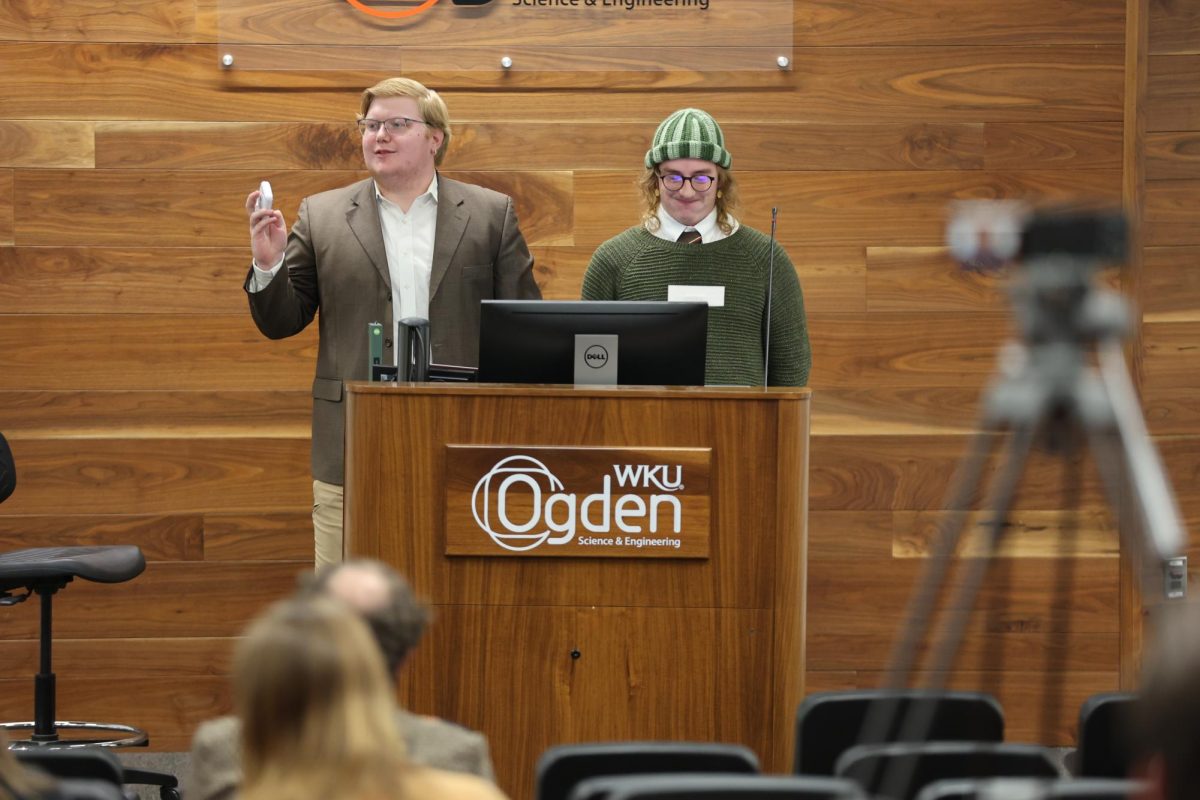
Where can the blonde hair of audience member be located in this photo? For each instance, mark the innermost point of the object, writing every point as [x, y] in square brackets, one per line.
[318, 709]
[16, 781]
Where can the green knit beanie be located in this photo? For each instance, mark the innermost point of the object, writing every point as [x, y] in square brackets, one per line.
[689, 133]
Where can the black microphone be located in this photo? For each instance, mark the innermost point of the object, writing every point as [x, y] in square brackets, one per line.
[8, 471]
[770, 292]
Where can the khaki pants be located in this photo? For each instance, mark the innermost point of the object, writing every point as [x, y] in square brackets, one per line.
[327, 523]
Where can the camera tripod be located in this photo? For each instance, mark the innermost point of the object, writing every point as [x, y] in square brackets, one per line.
[1063, 382]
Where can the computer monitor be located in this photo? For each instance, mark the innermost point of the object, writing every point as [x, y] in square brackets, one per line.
[533, 341]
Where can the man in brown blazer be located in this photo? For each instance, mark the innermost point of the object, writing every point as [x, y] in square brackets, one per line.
[406, 242]
[397, 619]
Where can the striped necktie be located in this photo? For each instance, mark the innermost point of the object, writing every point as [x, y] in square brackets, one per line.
[689, 237]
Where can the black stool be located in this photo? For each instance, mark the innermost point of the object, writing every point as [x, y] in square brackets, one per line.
[45, 570]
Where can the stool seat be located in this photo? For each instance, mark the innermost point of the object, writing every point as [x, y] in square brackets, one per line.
[102, 564]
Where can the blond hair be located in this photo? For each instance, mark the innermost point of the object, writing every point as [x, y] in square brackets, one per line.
[429, 103]
[318, 712]
[727, 198]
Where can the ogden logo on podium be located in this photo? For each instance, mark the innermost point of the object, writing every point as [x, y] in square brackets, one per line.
[600, 502]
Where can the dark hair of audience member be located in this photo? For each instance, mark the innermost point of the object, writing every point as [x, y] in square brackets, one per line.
[1166, 729]
[397, 624]
[317, 707]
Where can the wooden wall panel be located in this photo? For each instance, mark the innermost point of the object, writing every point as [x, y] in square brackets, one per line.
[63, 143]
[1174, 27]
[839, 84]
[143, 405]
[98, 20]
[186, 209]
[6, 206]
[120, 351]
[947, 22]
[115, 280]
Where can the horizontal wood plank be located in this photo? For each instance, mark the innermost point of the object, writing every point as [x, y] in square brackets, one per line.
[6, 206]
[160, 476]
[1173, 154]
[167, 601]
[932, 84]
[165, 657]
[130, 351]
[918, 279]
[258, 537]
[866, 209]
[169, 708]
[98, 21]
[896, 473]
[115, 207]
[1052, 145]
[1172, 411]
[543, 145]
[894, 410]
[1173, 93]
[1174, 28]
[830, 23]
[1168, 353]
[45, 144]
[1171, 284]
[1172, 214]
[164, 537]
[91, 280]
[894, 349]
[150, 413]
[1068, 534]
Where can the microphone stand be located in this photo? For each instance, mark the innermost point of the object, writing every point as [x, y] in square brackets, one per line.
[1048, 394]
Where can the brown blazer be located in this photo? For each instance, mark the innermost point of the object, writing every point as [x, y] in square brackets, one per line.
[335, 262]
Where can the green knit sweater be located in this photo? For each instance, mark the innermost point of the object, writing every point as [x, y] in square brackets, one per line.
[637, 265]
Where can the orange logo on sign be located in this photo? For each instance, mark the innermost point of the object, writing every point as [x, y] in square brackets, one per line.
[400, 14]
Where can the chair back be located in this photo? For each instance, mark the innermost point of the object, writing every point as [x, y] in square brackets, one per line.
[1103, 722]
[717, 786]
[829, 723]
[561, 767]
[875, 767]
[1031, 789]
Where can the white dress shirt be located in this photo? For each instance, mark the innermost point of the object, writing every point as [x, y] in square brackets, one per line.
[670, 229]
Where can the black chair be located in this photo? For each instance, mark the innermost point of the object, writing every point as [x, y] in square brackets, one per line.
[44, 571]
[1031, 789]
[716, 786]
[1103, 749]
[561, 767]
[829, 723]
[875, 766]
[83, 772]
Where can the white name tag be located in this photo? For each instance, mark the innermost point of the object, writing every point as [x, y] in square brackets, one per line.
[713, 295]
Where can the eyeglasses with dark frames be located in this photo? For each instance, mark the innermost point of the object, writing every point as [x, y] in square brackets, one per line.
[700, 183]
[395, 126]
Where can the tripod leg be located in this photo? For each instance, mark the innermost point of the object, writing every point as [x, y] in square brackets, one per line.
[898, 777]
[881, 716]
[1146, 476]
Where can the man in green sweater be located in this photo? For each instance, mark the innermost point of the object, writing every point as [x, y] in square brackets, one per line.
[690, 247]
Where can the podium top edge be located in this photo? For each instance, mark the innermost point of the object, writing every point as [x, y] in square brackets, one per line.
[566, 390]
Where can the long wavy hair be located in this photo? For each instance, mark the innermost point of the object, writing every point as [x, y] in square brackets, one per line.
[317, 708]
[649, 187]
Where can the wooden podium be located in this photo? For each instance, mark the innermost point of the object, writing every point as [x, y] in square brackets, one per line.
[603, 564]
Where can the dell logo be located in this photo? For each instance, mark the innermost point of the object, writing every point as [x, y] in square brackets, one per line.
[595, 356]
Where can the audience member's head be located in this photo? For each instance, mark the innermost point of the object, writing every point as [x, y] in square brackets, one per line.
[317, 706]
[1167, 715]
[384, 600]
